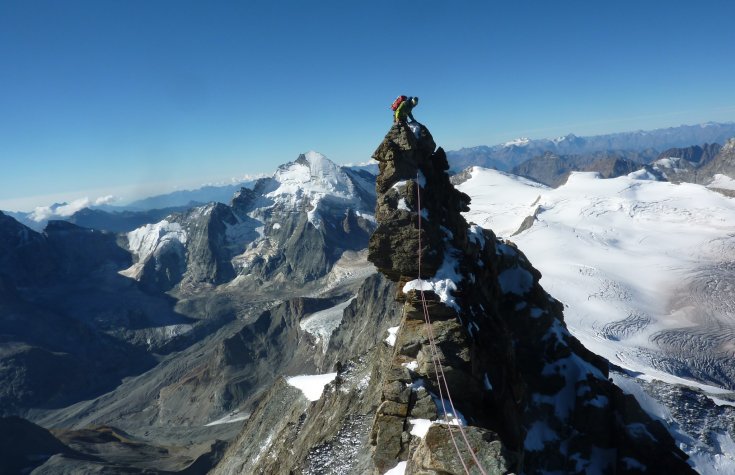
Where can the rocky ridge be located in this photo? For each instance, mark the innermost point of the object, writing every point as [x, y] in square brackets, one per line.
[553, 170]
[695, 164]
[533, 398]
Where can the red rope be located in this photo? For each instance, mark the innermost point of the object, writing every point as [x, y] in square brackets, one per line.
[439, 371]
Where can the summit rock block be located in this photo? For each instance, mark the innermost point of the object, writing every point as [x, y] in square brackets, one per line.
[532, 399]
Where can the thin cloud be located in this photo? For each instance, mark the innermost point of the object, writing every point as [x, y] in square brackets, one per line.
[44, 213]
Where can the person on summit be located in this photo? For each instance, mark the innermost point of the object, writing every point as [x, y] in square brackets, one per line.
[404, 107]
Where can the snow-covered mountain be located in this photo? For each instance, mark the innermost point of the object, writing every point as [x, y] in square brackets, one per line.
[294, 225]
[646, 144]
[644, 269]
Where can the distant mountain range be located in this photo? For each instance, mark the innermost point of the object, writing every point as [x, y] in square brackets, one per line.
[190, 198]
[643, 146]
[705, 165]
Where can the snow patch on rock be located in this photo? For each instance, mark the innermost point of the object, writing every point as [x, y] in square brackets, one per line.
[312, 385]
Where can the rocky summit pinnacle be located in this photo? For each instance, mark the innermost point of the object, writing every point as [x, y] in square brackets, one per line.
[529, 396]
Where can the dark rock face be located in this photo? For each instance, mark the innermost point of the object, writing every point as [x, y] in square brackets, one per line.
[288, 434]
[394, 243]
[50, 354]
[694, 154]
[723, 163]
[25, 258]
[696, 164]
[24, 445]
[553, 170]
[81, 252]
[533, 397]
[202, 255]
[208, 257]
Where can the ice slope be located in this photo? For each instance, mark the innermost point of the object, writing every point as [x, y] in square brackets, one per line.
[644, 268]
[722, 182]
[500, 201]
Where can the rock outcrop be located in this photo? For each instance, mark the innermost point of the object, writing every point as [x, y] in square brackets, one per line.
[722, 164]
[531, 398]
[554, 170]
[695, 154]
[697, 164]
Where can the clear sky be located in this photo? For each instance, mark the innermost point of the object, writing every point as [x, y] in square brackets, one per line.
[133, 97]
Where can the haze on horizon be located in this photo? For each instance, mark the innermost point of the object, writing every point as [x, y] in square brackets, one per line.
[131, 99]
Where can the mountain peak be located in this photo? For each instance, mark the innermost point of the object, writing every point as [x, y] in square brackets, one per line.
[312, 173]
[521, 381]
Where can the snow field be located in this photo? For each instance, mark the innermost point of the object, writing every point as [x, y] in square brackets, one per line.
[153, 238]
[614, 251]
[617, 253]
[312, 385]
[722, 182]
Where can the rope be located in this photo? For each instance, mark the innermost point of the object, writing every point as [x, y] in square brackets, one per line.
[434, 353]
[439, 371]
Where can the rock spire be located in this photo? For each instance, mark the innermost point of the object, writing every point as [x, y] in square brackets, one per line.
[533, 398]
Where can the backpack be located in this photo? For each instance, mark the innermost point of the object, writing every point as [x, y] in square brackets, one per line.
[397, 102]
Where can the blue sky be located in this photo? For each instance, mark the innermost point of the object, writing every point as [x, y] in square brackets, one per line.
[134, 97]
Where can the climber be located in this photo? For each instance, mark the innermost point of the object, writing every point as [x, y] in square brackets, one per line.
[404, 110]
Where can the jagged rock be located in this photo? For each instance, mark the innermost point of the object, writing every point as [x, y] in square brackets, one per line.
[332, 435]
[526, 386]
[695, 153]
[422, 406]
[723, 163]
[387, 439]
[436, 455]
[528, 221]
[553, 169]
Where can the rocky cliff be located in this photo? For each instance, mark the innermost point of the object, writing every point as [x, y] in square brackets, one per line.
[531, 397]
